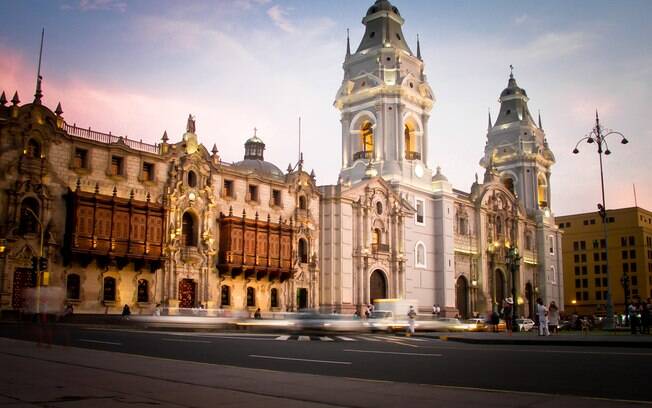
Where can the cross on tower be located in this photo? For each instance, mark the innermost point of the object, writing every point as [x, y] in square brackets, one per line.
[511, 71]
[255, 130]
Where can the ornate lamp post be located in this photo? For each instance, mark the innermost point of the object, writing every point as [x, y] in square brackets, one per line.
[513, 261]
[598, 136]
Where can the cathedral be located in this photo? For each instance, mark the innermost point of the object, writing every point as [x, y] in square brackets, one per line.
[111, 221]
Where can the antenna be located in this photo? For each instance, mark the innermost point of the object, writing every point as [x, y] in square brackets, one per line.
[38, 94]
[635, 201]
[299, 138]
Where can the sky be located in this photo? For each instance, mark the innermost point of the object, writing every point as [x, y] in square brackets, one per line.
[139, 68]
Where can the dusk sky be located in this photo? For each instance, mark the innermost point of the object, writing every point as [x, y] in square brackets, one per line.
[139, 68]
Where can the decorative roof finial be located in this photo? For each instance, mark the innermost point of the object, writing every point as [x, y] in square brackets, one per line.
[58, 111]
[97, 188]
[255, 131]
[39, 93]
[3, 99]
[78, 185]
[511, 71]
[132, 194]
[214, 150]
[165, 137]
[115, 190]
[489, 126]
[540, 126]
[348, 44]
[418, 48]
[15, 100]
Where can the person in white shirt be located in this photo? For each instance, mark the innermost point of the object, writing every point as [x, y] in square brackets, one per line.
[542, 314]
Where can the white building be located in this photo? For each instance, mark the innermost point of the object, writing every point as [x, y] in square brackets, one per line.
[389, 228]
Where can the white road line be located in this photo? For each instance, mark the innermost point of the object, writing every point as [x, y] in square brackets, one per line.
[325, 338]
[345, 338]
[282, 338]
[393, 352]
[113, 343]
[304, 338]
[187, 340]
[301, 359]
[369, 339]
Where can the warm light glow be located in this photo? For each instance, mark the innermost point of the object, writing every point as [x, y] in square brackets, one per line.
[573, 301]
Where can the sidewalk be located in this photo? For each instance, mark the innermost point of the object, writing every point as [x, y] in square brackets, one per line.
[593, 339]
[72, 377]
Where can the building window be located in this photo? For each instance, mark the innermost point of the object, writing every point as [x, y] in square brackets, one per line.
[117, 166]
[192, 179]
[225, 296]
[625, 267]
[576, 258]
[302, 203]
[148, 171]
[72, 286]
[624, 254]
[551, 244]
[420, 255]
[109, 290]
[623, 241]
[420, 214]
[583, 257]
[29, 212]
[274, 297]
[583, 245]
[303, 250]
[81, 158]
[576, 246]
[634, 280]
[251, 297]
[585, 270]
[632, 267]
[253, 193]
[528, 241]
[598, 295]
[367, 135]
[553, 275]
[542, 191]
[379, 208]
[33, 149]
[577, 271]
[228, 188]
[188, 230]
[143, 291]
[411, 148]
[632, 254]
[276, 197]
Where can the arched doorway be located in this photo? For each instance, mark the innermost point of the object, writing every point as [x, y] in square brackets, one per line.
[529, 296]
[462, 296]
[302, 298]
[187, 289]
[377, 285]
[499, 288]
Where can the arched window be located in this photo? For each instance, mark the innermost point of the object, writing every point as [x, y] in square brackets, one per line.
[72, 287]
[188, 230]
[528, 241]
[108, 290]
[302, 203]
[553, 275]
[251, 297]
[29, 213]
[274, 297]
[542, 191]
[143, 291]
[225, 296]
[192, 178]
[33, 149]
[303, 251]
[508, 182]
[420, 255]
[367, 136]
[411, 150]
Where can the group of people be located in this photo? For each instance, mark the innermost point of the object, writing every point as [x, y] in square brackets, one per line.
[547, 317]
[640, 315]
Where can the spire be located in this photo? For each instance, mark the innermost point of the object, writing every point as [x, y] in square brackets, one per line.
[15, 100]
[58, 110]
[540, 125]
[165, 137]
[3, 99]
[511, 71]
[489, 126]
[39, 93]
[348, 44]
[214, 150]
[419, 49]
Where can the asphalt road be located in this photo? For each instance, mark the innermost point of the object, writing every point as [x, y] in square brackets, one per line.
[596, 372]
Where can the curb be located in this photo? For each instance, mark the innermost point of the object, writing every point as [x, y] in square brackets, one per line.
[536, 342]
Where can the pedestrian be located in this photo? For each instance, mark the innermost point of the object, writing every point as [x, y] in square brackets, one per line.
[494, 320]
[356, 315]
[434, 309]
[585, 325]
[542, 313]
[126, 312]
[438, 310]
[68, 311]
[367, 314]
[157, 310]
[553, 318]
[257, 315]
[646, 316]
[508, 310]
[411, 315]
[633, 312]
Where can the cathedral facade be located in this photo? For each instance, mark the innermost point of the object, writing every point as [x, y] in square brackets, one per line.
[440, 245]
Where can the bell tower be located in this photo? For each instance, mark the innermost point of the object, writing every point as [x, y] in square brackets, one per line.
[385, 104]
[517, 150]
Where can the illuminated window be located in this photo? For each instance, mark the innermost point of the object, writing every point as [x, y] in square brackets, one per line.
[542, 191]
[148, 171]
[376, 237]
[228, 188]
[367, 134]
[411, 151]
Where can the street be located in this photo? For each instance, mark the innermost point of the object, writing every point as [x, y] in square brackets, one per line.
[613, 373]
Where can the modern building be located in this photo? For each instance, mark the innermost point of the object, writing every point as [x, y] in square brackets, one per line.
[622, 262]
[445, 246]
[116, 221]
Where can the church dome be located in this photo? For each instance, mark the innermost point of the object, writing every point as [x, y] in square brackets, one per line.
[439, 176]
[254, 161]
[382, 5]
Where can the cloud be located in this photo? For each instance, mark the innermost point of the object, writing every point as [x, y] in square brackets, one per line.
[553, 45]
[521, 19]
[279, 17]
[97, 5]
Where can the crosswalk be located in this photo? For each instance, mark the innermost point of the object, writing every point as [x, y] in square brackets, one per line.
[371, 338]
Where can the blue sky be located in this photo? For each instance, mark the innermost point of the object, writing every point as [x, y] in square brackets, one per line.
[139, 68]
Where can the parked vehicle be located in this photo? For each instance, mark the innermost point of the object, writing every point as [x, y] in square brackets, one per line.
[525, 325]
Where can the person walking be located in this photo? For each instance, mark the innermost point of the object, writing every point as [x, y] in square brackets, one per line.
[553, 318]
[411, 314]
[508, 310]
[542, 313]
[633, 311]
[257, 314]
[646, 316]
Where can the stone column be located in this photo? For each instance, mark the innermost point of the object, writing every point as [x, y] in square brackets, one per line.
[400, 136]
[424, 136]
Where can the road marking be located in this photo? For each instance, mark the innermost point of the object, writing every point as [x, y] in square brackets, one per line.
[325, 338]
[401, 343]
[304, 338]
[393, 352]
[371, 338]
[113, 343]
[345, 338]
[187, 340]
[301, 359]
[282, 338]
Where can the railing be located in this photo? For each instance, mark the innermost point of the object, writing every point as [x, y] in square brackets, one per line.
[108, 138]
[363, 155]
[412, 156]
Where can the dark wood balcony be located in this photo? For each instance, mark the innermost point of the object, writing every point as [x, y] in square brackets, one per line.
[412, 156]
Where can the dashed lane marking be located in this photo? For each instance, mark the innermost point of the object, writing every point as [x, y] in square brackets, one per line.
[345, 338]
[301, 359]
[112, 343]
[394, 352]
[282, 337]
[187, 341]
[325, 338]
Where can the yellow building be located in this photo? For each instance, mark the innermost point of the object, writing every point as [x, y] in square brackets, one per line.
[591, 263]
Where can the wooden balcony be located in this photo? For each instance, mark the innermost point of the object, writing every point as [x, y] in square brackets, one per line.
[380, 248]
[412, 156]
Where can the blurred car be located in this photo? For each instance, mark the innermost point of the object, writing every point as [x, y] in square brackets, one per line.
[475, 324]
[525, 325]
[327, 322]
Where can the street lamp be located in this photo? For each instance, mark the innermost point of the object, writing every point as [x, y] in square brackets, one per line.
[624, 280]
[598, 136]
[39, 279]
